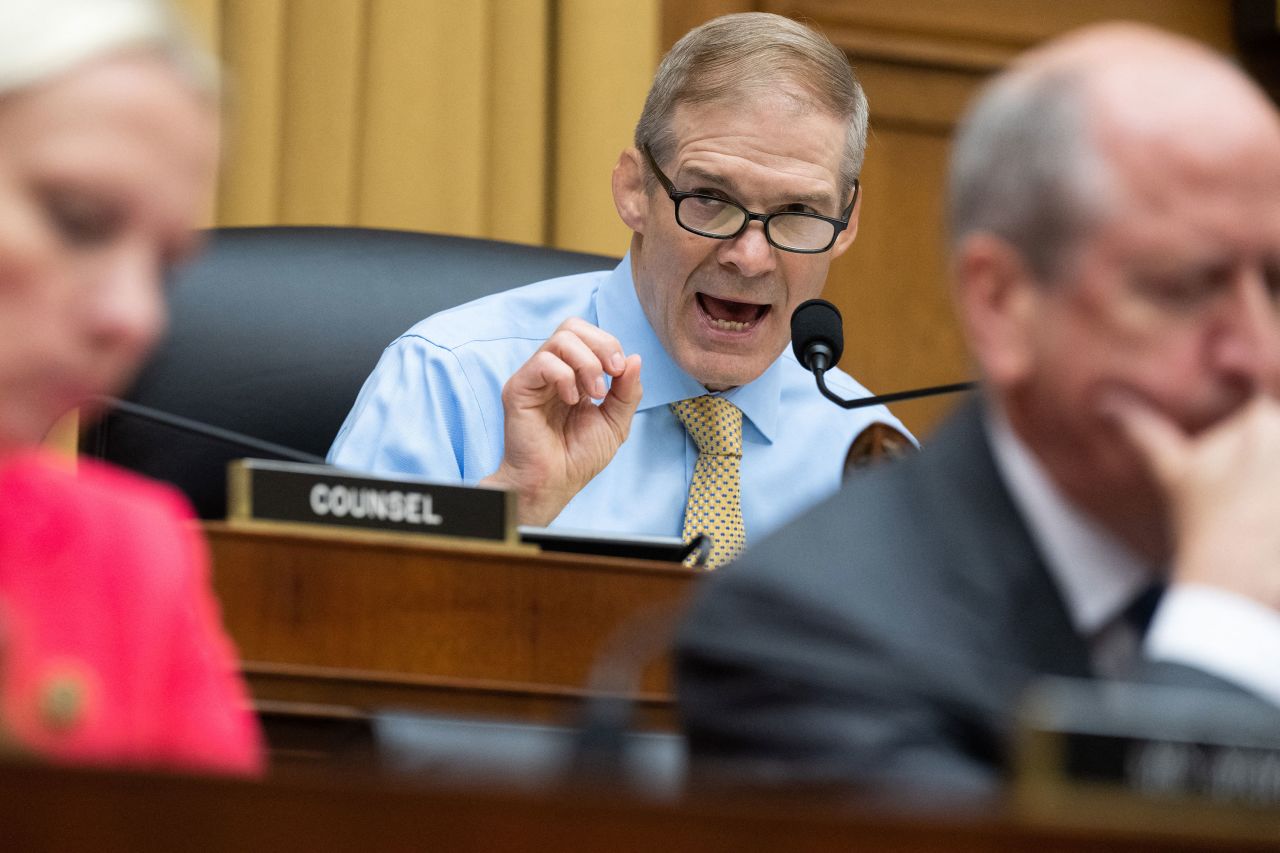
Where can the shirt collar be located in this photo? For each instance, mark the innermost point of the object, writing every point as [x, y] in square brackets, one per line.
[1097, 574]
[618, 311]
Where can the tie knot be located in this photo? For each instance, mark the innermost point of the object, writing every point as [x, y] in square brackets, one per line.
[1142, 609]
[714, 424]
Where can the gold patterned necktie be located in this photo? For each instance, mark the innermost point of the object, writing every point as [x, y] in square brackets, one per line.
[715, 504]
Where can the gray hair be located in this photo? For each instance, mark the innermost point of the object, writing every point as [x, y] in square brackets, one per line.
[752, 52]
[1023, 167]
[41, 39]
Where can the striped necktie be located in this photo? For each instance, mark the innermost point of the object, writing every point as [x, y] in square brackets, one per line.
[715, 505]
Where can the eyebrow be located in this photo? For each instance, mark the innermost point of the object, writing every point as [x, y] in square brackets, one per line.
[703, 176]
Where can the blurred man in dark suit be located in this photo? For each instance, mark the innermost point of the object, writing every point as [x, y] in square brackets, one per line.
[1115, 226]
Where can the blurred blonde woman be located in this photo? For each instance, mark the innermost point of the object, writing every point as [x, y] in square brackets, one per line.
[110, 647]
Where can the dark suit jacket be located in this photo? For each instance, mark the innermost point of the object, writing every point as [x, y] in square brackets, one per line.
[886, 635]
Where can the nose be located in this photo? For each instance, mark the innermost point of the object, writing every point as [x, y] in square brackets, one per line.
[1247, 344]
[749, 252]
[125, 310]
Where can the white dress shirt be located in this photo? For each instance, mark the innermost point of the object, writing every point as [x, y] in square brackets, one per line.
[1219, 632]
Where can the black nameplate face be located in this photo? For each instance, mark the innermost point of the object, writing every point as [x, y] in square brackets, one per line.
[1157, 741]
[264, 490]
[1248, 775]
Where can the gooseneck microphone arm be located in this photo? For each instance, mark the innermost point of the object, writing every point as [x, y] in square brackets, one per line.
[188, 425]
[817, 338]
[883, 399]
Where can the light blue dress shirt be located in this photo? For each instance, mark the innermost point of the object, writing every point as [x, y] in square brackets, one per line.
[433, 408]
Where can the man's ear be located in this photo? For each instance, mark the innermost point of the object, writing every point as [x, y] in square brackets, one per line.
[629, 195]
[998, 299]
[845, 238]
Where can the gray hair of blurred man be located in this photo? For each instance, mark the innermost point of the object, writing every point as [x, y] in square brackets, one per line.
[41, 39]
[1023, 167]
[754, 53]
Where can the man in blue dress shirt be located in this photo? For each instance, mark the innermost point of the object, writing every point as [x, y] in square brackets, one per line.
[740, 190]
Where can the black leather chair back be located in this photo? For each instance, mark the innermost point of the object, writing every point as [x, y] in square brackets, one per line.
[273, 330]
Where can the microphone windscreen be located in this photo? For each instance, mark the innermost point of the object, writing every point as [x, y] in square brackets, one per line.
[817, 321]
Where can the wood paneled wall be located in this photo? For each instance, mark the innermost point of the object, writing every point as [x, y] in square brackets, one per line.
[490, 118]
[503, 118]
[920, 62]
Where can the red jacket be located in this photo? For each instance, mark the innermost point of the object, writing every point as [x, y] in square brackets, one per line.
[111, 651]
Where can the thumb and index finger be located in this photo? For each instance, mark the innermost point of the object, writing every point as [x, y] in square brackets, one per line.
[604, 352]
[625, 392]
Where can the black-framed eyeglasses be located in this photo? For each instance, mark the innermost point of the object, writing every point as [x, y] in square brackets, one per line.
[721, 219]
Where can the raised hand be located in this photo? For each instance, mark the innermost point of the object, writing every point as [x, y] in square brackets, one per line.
[556, 438]
[1223, 488]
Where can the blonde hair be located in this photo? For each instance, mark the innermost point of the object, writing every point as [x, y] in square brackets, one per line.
[42, 39]
[746, 54]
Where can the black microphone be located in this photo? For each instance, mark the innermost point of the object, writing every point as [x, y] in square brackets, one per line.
[817, 334]
[817, 339]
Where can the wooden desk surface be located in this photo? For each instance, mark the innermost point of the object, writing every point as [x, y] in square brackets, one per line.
[378, 621]
[44, 809]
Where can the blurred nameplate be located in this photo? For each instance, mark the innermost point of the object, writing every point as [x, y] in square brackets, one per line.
[261, 490]
[1125, 748]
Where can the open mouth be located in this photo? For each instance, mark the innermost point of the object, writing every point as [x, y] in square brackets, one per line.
[730, 316]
